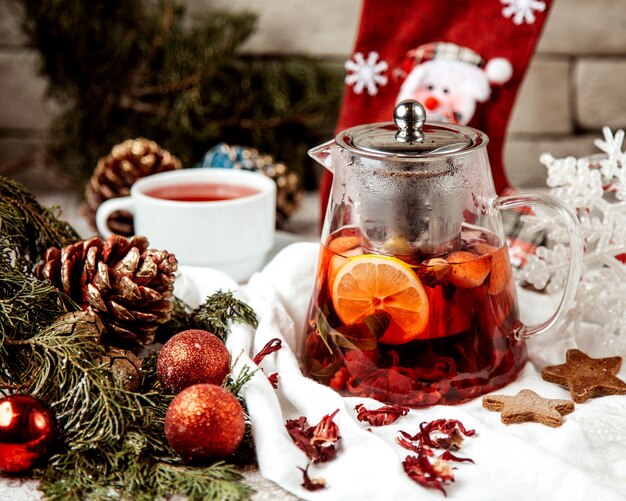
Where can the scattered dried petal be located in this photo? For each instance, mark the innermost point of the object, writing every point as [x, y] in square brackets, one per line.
[326, 430]
[425, 468]
[271, 346]
[407, 444]
[299, 432]
[382, 416]
[450, 428]
[273, 379]
[318, 449]
[311, 484]
[448, 456]
[433, 475]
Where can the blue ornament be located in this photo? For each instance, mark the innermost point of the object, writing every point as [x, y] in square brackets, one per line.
[224, 156]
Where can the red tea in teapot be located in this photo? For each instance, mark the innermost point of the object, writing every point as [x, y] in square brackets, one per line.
[413, 331]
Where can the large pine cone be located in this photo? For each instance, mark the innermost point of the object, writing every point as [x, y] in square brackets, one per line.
[117, 172]
[128, 285]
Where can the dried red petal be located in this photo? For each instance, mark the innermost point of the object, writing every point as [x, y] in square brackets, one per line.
[271, 346]
[326, 430]
[448, 456]
[452, 441]
[436, 471]
[433, 475]
[450, 428]
[320, 449]
[407, 444]
[273, 379]
[382, 416]
[301, 435]
[311, 484]
[325, 453]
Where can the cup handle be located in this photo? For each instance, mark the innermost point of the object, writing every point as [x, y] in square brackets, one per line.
[572, 227]
[107, 208]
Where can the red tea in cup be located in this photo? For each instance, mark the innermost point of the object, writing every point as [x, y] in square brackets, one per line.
[201, 192]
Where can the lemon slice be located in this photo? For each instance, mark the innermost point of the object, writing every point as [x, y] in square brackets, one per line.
[370, 283]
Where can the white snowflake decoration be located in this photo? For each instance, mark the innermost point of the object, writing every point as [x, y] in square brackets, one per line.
[614, 165]
[366, 73]
[522, 11]
[595, 188]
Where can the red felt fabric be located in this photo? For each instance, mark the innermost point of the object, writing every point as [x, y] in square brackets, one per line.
[393, 28]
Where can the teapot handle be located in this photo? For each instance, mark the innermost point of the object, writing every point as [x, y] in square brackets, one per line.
[572, 228]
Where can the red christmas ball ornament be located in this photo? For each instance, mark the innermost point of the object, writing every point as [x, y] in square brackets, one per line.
[204, 422]
[192, 357]
[28, 432]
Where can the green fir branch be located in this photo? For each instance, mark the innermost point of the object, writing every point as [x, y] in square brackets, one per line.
[65, 369]
[215, 315]
[126, 68]
[224, 482]
[221, 308]
[27, 229]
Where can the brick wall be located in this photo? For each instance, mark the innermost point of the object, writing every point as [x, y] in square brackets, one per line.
[575, 85]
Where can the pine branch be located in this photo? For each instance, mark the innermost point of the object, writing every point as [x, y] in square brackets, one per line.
[125, 68]
[66, 360]
[219, 482]
[214, 315]
[221, 308]
[26, 228]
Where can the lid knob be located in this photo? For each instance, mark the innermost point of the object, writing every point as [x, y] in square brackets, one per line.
[409, 116]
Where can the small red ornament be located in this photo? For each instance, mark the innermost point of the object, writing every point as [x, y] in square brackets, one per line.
[204, 422]
[192, 357]
[28, 432]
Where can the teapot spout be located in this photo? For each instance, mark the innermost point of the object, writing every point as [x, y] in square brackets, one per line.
[321, 154]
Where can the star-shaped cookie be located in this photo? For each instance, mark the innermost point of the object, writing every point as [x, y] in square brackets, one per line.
[585, 376]
[528, 406]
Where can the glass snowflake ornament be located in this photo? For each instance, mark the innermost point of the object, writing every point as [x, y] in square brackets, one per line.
[595, 188]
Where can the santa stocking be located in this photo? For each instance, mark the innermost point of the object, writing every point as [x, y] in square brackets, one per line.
[463, 60]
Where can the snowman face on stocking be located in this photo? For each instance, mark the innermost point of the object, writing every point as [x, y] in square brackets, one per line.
[453, 82]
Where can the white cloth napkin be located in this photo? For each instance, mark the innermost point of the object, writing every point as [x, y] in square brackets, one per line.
[583, 459]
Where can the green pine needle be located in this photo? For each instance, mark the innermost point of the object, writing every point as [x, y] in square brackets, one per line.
[221, 308]
[214, 315]
[26, 228]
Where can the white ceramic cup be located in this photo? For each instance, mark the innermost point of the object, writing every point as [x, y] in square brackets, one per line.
[233, 236]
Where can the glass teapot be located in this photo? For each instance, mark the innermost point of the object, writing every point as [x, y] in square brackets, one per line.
[414, 300]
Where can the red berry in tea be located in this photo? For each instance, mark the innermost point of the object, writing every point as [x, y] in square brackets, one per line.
[470, 270]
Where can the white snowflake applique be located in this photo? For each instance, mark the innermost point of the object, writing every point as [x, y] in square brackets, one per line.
[366, 73]
[522, 11]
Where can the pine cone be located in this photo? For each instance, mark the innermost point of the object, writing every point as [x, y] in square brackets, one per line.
[288, 193]
[117, 172]
[128, 285]
[125, 368]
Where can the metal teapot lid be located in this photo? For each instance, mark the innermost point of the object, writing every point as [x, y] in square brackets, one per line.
[409, 136]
